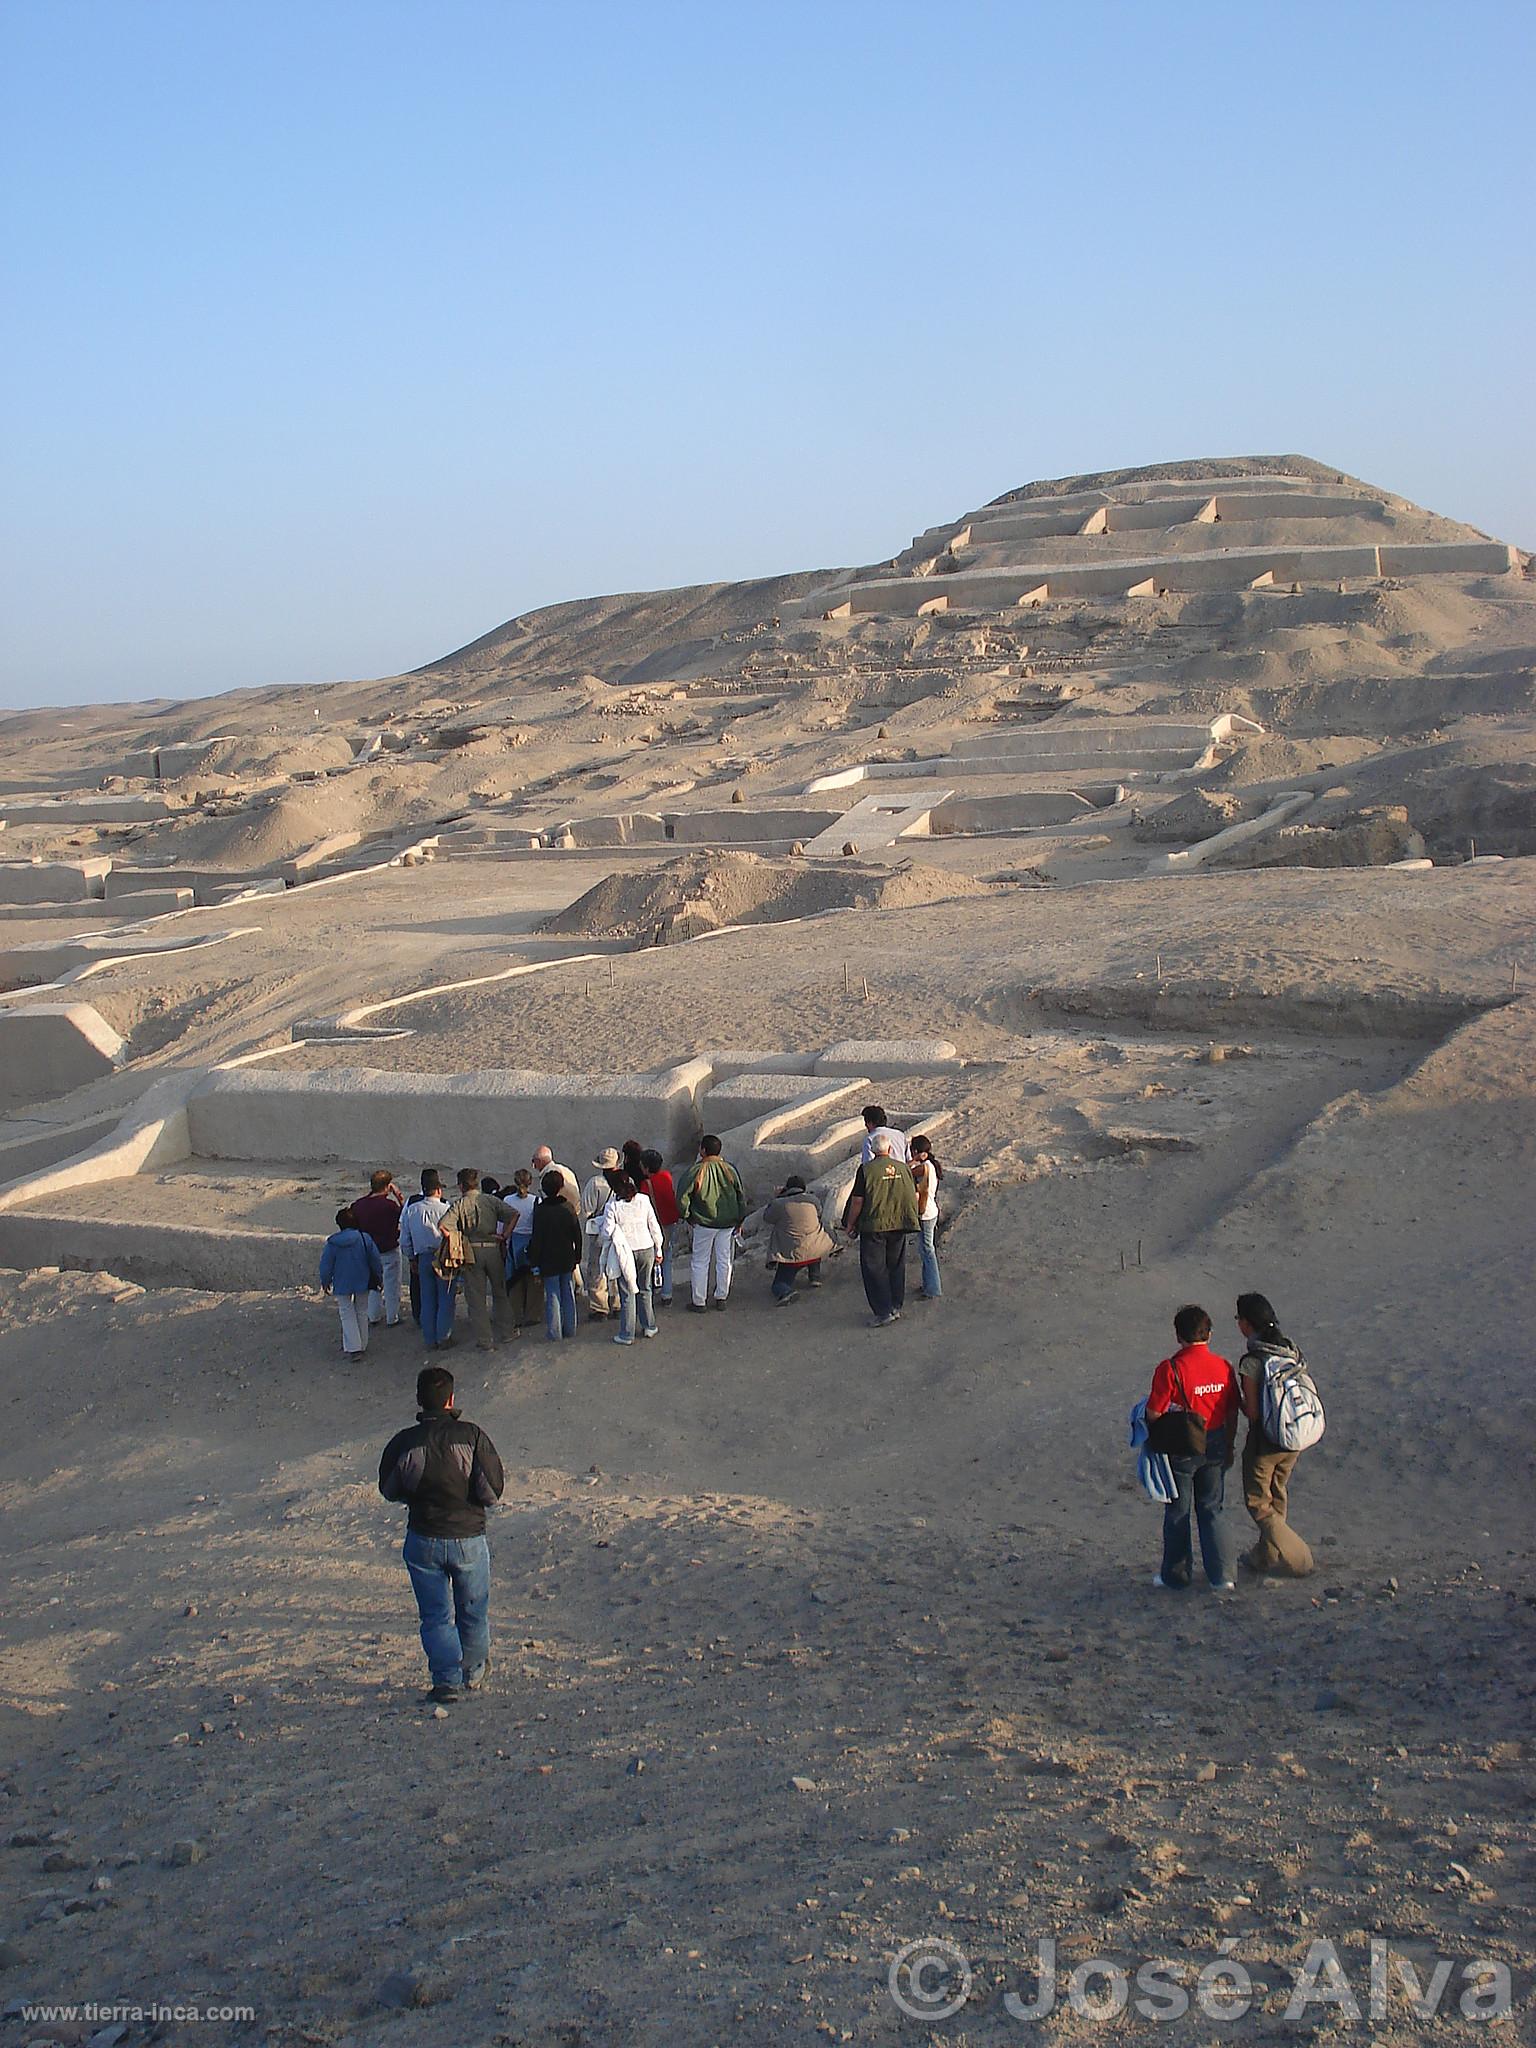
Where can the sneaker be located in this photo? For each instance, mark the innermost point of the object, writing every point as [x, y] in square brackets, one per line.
[623, 1340]
[720, 1301]
[882, 1322]
[473, 1680]
[813, 1283]
[928, 1297]
[698, 1308]
[445, 1695]
[650, 1333]
[1226, 1586]
[784, 1300]
[1162, 1584]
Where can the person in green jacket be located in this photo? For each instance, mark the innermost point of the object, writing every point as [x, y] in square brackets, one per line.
[882, 1212]
[714, 1201]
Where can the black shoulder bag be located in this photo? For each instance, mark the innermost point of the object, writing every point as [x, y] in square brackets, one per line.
[1177, 1432]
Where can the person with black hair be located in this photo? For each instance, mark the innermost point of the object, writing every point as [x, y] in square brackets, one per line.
[1198, 1387]
[448, 1473]
[926, 1175]
[713, 1200]
[876, 1126]
[554, 1254]
[1266, 1468]
[659, 1186]
[350, 1268]
[631, 1243]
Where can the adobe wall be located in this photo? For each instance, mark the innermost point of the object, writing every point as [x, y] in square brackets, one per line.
[54, 881]
[47, 1049]
[1087, 738]
[1021, 813]
[83, 810]
[205, 883]
[1468, 557]
[162, 1254]
[491, 1119]
[739, 822]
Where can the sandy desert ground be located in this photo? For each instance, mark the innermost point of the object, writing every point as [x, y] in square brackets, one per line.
[811, 1640]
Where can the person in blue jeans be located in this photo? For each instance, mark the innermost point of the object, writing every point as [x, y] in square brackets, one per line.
[419, 1240]
[448, 1473]
[1199, 1384]
[926, 1175]
[554, 1253]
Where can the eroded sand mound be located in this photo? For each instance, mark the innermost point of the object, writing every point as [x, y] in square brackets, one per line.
[700, 892]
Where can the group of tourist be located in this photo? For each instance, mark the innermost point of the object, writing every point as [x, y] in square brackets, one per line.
[610, 1241]
[1204, 1395]
[447, 1471]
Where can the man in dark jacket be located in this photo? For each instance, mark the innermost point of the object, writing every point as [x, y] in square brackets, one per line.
[554, 1254]
[448, 1473]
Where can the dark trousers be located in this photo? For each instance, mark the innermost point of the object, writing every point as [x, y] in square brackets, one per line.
[415, 1293]
[1202, 1493]
[883, 1269]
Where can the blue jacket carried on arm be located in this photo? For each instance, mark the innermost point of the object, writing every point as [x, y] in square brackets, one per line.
[350, 1263]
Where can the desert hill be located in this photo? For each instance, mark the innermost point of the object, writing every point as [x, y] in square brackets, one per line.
[1156, 841]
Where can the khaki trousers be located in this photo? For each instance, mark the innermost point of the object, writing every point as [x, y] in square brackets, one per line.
[482, 1284]
[1266, 1478]
[592, 1275]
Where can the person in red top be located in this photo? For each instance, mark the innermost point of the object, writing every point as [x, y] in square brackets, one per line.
[1200, 1382]
[663, 1194]
[377, 1214]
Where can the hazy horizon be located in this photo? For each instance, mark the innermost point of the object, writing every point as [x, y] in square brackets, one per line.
[339, 337]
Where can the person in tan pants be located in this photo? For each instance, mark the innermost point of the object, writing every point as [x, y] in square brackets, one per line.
[1266, 1469]
[477, 1215]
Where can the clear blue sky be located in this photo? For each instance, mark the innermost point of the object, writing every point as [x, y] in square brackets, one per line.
[337, 331]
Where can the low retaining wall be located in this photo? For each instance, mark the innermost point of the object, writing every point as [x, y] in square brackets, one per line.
[491, 1119]
[54, 881]
[47, 1049]
[739, 821]
[162, 1254]
[83, 810]
[967, 814]
[1220, 569]
[206, 884]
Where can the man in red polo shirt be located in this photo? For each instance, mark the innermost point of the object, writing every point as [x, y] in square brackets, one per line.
[1200, 1382]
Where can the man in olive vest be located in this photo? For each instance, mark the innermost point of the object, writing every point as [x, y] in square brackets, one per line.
[475, 1215]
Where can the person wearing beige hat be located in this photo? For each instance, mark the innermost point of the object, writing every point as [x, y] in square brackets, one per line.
[595, 1197]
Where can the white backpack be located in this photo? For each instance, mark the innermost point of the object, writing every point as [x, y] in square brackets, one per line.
[1292, 1408]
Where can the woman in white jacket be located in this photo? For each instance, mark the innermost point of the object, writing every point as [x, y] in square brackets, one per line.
[632, 1243]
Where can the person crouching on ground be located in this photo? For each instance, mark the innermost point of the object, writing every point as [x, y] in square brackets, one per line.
[797, 1242]
[881, 1212]
[631, 1241]
[1266, 1468]
[554, 1253]
[350, 1269]
[448, 1473]
[1199, 1384]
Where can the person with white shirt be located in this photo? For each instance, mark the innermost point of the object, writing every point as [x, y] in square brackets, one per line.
[926, 1175]
[420, 1235]
[631, 1242]
[875, 1126]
